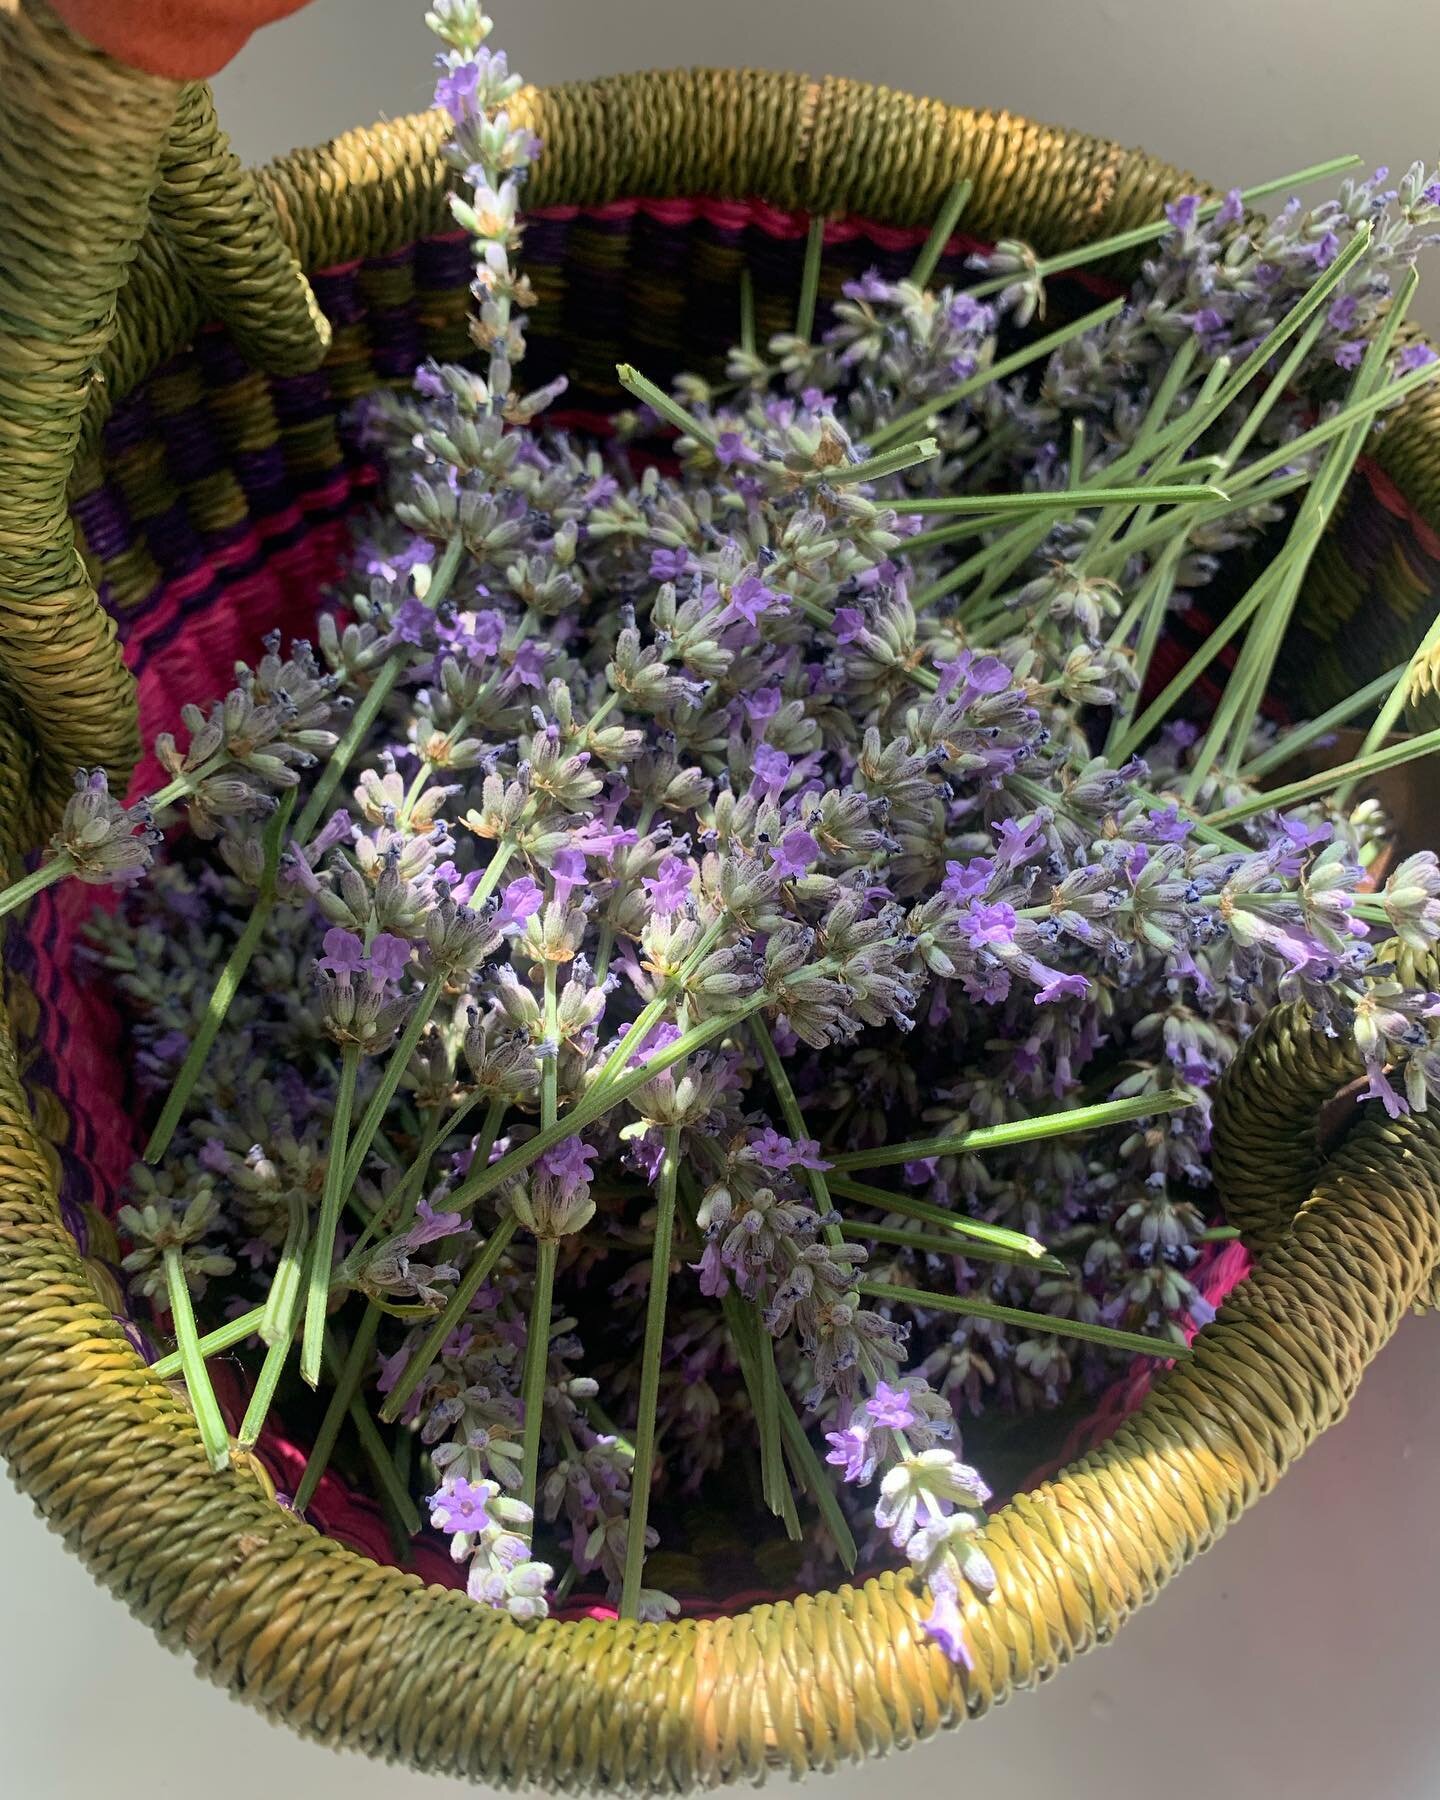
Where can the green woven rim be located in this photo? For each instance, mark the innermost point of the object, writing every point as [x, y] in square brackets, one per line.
[313, 1634]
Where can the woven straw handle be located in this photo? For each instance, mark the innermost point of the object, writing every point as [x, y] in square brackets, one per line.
[92, 156]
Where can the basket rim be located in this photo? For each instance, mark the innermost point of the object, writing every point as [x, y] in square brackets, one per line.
[318, 1635]
[374, 189]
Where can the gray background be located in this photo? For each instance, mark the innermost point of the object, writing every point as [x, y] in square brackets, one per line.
[1296, 1659]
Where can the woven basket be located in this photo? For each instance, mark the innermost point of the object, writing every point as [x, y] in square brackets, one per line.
[210, 501]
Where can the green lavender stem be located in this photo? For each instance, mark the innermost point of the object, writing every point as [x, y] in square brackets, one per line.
[944, 1244]
[537, 1334]
[537, 1364]
[1246, 688]
[1018, 1244]
[1076, 463]
[318, 1287]
[810, 1474]
[747, 312]
[1158, 443]
[1195, 666]
[205, 1406]
[595, 1104]
[1162, 531]
[1138, 609]
[1021, 1131]
[810, 279]
[489, 1131]
[663, 405]
[780, 1498]
[1049, 1323]
[1389, 715]
[550, 1067]
[650, 1013]
[387, 1476]
[1361, 769]
[494, 869]
[395, 1066]
[941, 232]
[226, 987]
[1151, 605]
[1295, 449]
[965, 529]
[277, 1320]
[876, 468]
[454, 1311]
[1275, 389]
[650, 1356]
[1280, 590]
[1296, 738]
[1157, 413]
[1070, 500]
[429, 764]
[794, 1118]
[1160, 447]
[762, 1387]
[273, 1365]
[1000, 559]
[1162, 464]
[214, 1343]
[28, 886]
[342, 1395]
[1141, 235]
[748, 1336]
[396, 1207]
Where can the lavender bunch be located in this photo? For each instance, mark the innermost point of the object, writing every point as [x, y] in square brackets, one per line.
[541, 1083]
[249, 748]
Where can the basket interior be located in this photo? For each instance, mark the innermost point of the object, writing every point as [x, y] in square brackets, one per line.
[218, 508]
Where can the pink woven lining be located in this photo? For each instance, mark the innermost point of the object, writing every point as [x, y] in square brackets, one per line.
[757, 215]
[738, 216]
[176, 664]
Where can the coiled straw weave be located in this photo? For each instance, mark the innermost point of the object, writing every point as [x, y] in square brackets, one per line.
[125, 222]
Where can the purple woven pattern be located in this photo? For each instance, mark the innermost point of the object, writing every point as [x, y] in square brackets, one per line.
[211, 471]
[657, 283]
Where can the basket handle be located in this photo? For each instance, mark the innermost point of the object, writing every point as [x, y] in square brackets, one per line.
[92, 155]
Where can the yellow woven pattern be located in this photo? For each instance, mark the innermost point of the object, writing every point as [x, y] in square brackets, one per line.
[223, 228]
[311, 1633]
